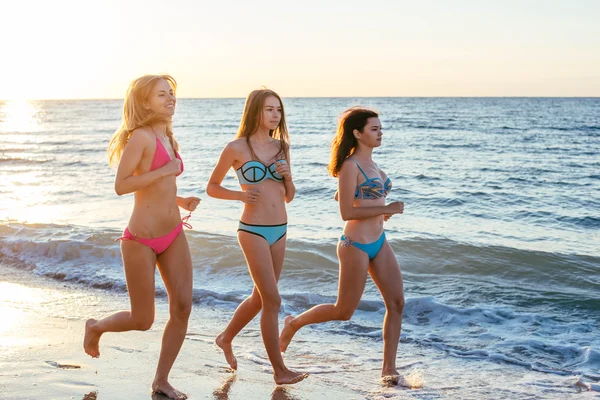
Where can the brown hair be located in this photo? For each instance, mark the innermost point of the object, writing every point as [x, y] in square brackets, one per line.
[251, 118]
[344, 143]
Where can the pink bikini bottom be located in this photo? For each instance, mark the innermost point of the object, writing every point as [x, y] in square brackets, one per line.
[159, 244]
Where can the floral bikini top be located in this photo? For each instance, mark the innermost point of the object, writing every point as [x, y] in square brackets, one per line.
[372, 188]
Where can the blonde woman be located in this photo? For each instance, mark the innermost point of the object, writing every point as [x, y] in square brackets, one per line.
[146, 153]
[363, 248]
[260, 156]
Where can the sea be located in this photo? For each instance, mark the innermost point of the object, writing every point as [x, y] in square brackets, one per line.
[499, 243]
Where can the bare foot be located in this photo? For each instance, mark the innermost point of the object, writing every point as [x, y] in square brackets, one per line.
[166, 389]
[594, 387]
[390, 377]
[289, 377]
[414, 380]
[390, 380]
[287, 333]
[91, 339]
[582, 385]
[227, 350]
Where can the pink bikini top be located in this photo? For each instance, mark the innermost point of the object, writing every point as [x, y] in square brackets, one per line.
[162, 157]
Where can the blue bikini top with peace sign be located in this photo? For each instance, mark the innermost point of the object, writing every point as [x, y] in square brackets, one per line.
[253, 172]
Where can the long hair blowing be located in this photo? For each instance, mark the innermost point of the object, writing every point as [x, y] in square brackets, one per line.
[344, 143]
[136, 115]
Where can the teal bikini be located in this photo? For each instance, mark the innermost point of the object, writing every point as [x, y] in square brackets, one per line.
[271, 233]
[370, 189]
[252, 173]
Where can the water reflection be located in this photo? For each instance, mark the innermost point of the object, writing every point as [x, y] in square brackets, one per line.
[19, 116]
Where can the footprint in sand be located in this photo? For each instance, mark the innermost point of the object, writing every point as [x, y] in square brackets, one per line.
[125, 350]
[63, 365]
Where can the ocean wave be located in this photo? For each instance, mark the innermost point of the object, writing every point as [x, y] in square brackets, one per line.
[456, 146]
[540, 216]
[442, 202]
[317, 164]
[521, 307]
[583, 128]
[24, 161]
[462, 272]
[427, 178]
[433, 127]
[477, 194]
[75, 164]
[441, 255]
[511, 128]
[586, 222]
[533, 341]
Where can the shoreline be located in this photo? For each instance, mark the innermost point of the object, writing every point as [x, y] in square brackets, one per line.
[42, 353]
[42, 357]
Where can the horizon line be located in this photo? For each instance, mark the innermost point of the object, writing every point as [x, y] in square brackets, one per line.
[326, 97]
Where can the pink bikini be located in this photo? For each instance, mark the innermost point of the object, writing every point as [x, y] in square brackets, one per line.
[162, 243]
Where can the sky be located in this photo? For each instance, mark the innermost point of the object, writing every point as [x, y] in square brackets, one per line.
[73, 49]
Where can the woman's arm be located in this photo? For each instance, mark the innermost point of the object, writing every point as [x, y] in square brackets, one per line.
[290, 190]
[213, 187]
[285, 169]
[346, 189]
[187, 203]
[125, 180]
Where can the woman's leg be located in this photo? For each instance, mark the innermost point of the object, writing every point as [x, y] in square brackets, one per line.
[354, 264]
[249, 308]
[175, 266]
[386, 274]
[260, 263]
[139, 264]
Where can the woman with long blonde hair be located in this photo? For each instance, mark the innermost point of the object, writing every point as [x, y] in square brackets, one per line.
[363, 247]
[260, 156]
[146, 153]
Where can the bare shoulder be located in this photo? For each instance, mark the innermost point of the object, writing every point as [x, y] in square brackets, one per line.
[348, 171]
[237, 142]
[141, 136]
[348, 167]
[236, 146]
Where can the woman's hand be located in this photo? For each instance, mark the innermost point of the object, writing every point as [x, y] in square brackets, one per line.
[283, 169]
[173, 167]
[387, 216]
[250, 196]
[189, 203]
[397, 207]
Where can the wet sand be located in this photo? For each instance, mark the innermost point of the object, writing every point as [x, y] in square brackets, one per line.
[41, 353]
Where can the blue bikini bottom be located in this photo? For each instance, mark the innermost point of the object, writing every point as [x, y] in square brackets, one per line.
[271, 233]
[372, 249]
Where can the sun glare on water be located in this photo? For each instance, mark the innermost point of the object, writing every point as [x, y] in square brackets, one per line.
[18, 116]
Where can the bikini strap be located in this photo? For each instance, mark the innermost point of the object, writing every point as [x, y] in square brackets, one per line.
[363, 172]
[184, 221]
